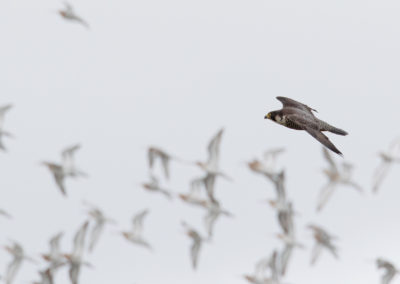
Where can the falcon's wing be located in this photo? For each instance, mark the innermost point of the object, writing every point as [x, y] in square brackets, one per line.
[324, 140]
[292, 103]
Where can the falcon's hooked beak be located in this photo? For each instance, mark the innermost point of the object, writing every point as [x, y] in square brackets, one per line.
[268, 116]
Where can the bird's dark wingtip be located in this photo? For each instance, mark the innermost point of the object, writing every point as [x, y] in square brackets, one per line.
[336, 150]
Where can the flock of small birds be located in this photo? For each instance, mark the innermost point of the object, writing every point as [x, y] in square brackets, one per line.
[270, 269]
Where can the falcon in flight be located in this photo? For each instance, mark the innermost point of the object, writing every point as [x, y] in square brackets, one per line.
[299, 116]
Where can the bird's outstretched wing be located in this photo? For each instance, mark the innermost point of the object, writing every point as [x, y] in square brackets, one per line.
[325, 195]
[194, 252]
[317, 249]
[79, 240]
[68, 7]
[322, 139]
[137, 221]
[59, 178]
[213, 149]
[284, 259]
[3, 110]
[55, 244]
[307, 125]
[95, 234]
[292, 103]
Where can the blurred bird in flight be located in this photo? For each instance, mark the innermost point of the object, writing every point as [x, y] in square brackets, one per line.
[100, 221]
[65, 169]
[266, 271]
[135, 235]
[154, 186]
[336, 176]
[390, 270]
[69, 14]
[55, 257]
[3, 110]
[323, 240]
[13, 267]
[197, 241]
[75, 259]
[388, 158]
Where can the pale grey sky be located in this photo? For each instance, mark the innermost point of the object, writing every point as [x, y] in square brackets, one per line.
[171, 73]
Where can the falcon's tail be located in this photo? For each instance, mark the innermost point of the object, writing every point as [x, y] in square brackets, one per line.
[330, 128]
[337, 131]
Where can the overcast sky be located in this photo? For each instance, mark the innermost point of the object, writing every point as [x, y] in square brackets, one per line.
[172, 73]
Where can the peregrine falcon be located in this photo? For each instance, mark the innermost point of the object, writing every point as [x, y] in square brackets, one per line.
[299, 116]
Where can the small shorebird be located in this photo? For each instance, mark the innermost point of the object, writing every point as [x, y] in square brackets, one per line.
[154, 186]
[264, 265]
[46, 277]
[55, 256]
[69, 13]
[285, 214]
[285, 218]
[100, 221]
[75, 259]
[336, 175]
[214, 210]
[291, 243]
[58, 174]
[298, 116]
[267, 165]
[211, 167]
[388, 158]
[267, 168]
[212, 164]
[208, 182]
[194, 196]
[260, 167]
[322, 240]
[389, 268]
[66, 169]
[13, 267]
[154, 153]
[135, 235]
[68, 162]
[197, 241]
